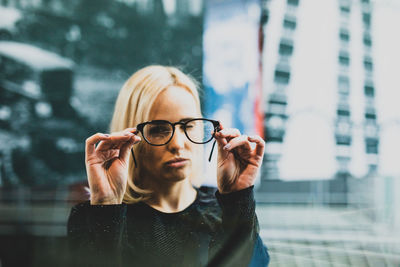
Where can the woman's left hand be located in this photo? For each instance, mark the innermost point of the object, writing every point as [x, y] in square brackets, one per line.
[238, 162]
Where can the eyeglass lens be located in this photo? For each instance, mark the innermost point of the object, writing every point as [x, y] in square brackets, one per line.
[198, 131]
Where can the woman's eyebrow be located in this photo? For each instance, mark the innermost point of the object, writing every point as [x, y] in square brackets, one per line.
[186, 119]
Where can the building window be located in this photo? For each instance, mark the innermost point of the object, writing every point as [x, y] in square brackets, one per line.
[369, 90]
[345, 2]
[368, 65]
[344, 58]
[282, 76]
[372, 168]
[344, 81]
[344, 35]
[293, 2]
[289, 23]
[276, 108]
[264, 16]
[367, 40]
[345, 10]
[344, 140]
[370, 113]
[366, 17]
[343, 132]
[371, 145]
[278, 98]
[286, 48]
[275, 128]
[343, 168]
[370, 116]
[343, 94]
[344, 85]
[343, 112]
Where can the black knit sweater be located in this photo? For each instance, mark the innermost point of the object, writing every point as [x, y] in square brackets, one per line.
[215, 230]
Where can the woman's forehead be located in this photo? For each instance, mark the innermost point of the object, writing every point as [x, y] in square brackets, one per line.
[174, 104]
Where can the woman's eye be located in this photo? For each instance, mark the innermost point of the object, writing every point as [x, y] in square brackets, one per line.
[193, 126]
[159, 130]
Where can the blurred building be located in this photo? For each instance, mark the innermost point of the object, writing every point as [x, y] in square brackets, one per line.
[321, 121]
[172, 7]
[50, 6]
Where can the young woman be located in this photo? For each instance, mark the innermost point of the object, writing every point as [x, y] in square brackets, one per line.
[145, 208]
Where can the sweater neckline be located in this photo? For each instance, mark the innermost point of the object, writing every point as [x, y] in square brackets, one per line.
[191, 205]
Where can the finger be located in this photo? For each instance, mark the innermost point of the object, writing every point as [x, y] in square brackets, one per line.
[240, 141]
[224, 135]
[121, 134]
[113, 143]
[221, 141]
[131, 130]
[260, 144]
[228, 133]
[90, 143]
[221, 127]
[116, 140]
[126, 147]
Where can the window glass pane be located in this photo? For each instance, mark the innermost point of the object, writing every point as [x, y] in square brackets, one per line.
[293, 2]
[282, 76]
[289, 23]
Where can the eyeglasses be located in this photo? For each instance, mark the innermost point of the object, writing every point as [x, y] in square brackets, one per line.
[160, 132]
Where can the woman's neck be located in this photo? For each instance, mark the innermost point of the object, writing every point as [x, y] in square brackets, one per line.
[172, 196]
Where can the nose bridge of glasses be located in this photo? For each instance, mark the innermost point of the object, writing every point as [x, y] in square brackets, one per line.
[178, 136]
[182, 124]
[179, 122]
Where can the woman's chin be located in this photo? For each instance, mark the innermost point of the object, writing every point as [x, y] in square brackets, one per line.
[177, 175]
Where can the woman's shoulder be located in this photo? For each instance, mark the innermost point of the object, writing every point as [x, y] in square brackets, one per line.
[205, 201]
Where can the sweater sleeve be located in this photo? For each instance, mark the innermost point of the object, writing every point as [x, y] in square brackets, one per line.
[234, 244]
[95, 234]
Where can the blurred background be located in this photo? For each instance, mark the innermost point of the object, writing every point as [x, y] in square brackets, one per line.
[316, 79]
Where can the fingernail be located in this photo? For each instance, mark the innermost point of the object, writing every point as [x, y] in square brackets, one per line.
[227, 146]
[106, 135]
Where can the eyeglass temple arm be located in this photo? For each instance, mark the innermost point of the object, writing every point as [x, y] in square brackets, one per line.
[212, 150]
[218, 128]
[133, 156]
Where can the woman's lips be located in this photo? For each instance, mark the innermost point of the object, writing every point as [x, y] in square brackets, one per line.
[176, 163]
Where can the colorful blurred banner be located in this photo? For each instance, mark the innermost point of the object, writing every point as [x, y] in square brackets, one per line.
[232, 64]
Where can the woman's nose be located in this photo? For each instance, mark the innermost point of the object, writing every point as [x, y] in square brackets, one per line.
[178, 140]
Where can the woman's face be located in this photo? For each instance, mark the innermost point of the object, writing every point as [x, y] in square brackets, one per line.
[174, 161]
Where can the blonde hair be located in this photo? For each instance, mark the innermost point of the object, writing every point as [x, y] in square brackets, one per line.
[133, 106]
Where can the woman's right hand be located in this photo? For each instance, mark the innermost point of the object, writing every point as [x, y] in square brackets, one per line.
[107, 165]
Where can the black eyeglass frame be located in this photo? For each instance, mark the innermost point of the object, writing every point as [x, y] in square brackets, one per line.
[216, 124]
